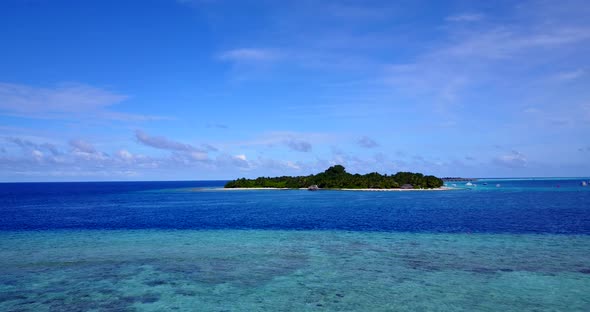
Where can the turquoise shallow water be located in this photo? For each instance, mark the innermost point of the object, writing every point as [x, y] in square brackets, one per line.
[268, 270]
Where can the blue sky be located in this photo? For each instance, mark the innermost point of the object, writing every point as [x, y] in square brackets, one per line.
[214, 89]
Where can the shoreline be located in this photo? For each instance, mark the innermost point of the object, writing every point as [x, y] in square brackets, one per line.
[443, 188]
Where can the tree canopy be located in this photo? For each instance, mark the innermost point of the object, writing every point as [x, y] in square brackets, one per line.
[336, 177]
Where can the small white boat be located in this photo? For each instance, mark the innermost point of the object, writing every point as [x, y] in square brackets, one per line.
[584, 183]
[468, 184]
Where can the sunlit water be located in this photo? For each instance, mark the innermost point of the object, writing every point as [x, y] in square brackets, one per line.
[181, 246]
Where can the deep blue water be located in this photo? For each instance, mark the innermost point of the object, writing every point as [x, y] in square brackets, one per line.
[517, 206]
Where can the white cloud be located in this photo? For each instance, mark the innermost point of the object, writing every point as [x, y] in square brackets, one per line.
[195, 2]
[199, 156]
[217, 125]
[227, 161]
[29, 145]
[296, 141]
[506, 62]
[124, 155]
[82, 146]
[352, 12]
[292, 165]
[531, 110]
[182, 152]
[298, 145]
[85, 150]
[37, 155]
[513, 159]
[367, 142]
[65, 98]
[514, 40]
[570, 75]
[465, 17]
[164, 143]
[249, 55]
[161, 142]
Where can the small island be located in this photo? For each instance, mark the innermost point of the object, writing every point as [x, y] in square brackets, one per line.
[336, 177]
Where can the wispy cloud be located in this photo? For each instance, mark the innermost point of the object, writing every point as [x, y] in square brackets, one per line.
[561, 114]
[515, 40]
[239, 161]
[514, 159]
[196, 3]
[82, 146]
[570, 75]
[164, 143]
[367, 142]
[298, 145]
[465, 17]
[531, 110]
[82, 160]
[217, 125]
[124, 155]
[28, 145]
[182, 151]
[503, 57]
[297, 141]
[64, 100]
[249, 55]
[118, 116]
[353, 12]
[85, 150]
[209, 147]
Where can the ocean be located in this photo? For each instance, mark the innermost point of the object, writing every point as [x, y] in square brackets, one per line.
[508, 245]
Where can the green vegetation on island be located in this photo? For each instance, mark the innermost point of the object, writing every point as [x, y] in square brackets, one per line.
[336, 177]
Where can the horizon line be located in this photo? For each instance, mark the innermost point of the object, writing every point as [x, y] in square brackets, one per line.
[223, 180]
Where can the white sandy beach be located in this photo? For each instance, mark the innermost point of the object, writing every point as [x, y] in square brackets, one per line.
[444, 188]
